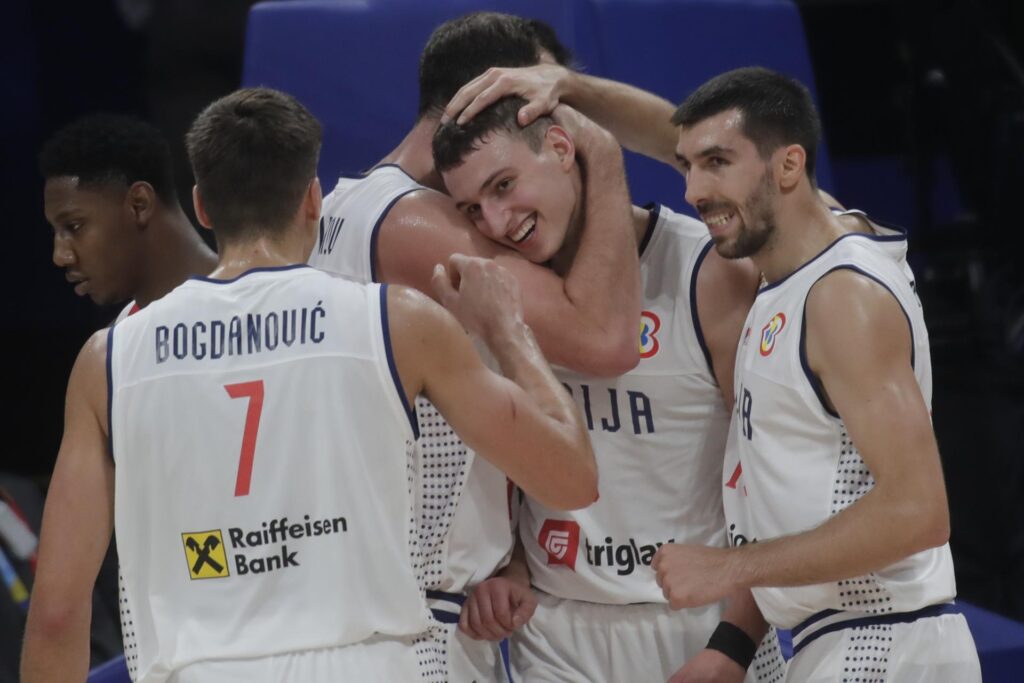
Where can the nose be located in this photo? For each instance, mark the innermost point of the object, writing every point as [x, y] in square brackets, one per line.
[495, 219]
[63, 254]
[696, 188]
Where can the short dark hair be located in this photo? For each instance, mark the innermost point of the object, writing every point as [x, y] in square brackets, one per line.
[110, 148]
[253, 154]
[777, 109]
[452, 143]
[461, 49]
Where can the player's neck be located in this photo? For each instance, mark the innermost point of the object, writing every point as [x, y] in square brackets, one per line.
[804, 227]
[238, 257]
[176, 252]
[415, 156]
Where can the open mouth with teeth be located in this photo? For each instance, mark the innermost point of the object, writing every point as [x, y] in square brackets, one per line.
[717, 219]
[525, 229]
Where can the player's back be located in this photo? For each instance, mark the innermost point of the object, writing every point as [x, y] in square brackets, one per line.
[262, 475]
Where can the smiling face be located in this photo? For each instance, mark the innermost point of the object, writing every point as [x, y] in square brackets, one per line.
[524, 199]
[95, 238]
[729, 184]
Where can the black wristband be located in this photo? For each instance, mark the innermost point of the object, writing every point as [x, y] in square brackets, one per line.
[734, 643]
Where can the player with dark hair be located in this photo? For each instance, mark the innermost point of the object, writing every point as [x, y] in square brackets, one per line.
[118, 229]
[658, 431]
[247, 436]
[832, 460]
[395, 223]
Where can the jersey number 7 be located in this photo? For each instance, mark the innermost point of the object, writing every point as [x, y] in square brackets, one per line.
[254, 392]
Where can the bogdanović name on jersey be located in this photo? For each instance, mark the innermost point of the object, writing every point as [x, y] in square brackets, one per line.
[240, 335]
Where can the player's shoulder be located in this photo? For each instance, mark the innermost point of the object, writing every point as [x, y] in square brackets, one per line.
[667, 220]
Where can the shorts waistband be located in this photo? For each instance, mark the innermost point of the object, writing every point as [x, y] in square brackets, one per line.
[831, 620]
[446, 607]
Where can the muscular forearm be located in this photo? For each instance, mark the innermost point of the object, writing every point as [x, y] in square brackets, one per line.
[603, 281]
[640, 120]
[880, 529]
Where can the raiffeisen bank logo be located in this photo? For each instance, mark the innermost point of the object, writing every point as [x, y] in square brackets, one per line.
[560, 538]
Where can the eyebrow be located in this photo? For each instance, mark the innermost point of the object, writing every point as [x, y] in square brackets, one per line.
[714, 150]
[483, 186]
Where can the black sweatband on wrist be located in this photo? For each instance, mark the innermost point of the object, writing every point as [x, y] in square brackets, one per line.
[734, 643]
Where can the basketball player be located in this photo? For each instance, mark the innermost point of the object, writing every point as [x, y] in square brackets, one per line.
[642, 122]
[831, 452]
[118, 229]
[394, 224]
[658, 431]
[294, 557]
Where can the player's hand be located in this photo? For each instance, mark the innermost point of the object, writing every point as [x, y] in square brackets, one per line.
[709, 666]
[693, 575]
[542, 86]
[483, 296]
[495, 608]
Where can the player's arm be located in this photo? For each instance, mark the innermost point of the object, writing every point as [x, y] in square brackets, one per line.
[525, 422]
[77, 524]
[642, 121]
[859, 345]
[587, 321]
[725, 292]
[731, 647]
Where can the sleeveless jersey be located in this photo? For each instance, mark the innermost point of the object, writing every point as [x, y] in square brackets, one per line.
[262, 497]
[658, 434]
[790, 463]
[462, 515]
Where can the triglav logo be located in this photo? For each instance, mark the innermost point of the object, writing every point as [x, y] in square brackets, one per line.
[770, 332]
[560, 538]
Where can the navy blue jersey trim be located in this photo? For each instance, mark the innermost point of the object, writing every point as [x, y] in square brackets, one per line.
[110, 391]
[652, 223]
[813, 378]
[446, 616]
[410, 413]
[376, 231]
[870, 620]
[367, 174]
[261, 269]
[850, 235]
[693, 308]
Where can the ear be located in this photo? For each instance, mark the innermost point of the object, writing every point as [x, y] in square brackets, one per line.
[313, 201]
[791, 166]
[561, 143]
[141, 201]
[197, 202]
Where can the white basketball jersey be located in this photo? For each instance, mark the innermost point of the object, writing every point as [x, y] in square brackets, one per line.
[262, 498]
[461, 501]
[659, 436]
[791, 465]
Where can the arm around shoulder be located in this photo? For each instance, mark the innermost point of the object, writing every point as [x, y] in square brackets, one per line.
[524, 423]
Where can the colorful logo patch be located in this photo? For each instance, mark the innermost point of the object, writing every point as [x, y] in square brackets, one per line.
[770, 332]
[205, 555]
[649, 326]
[560, 538]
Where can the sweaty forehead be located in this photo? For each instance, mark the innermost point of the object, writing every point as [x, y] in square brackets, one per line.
[724, 129]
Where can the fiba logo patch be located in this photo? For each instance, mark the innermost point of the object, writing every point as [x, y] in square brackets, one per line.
[770, 332]
[649, 326]
[205, 554]
[560, 538]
